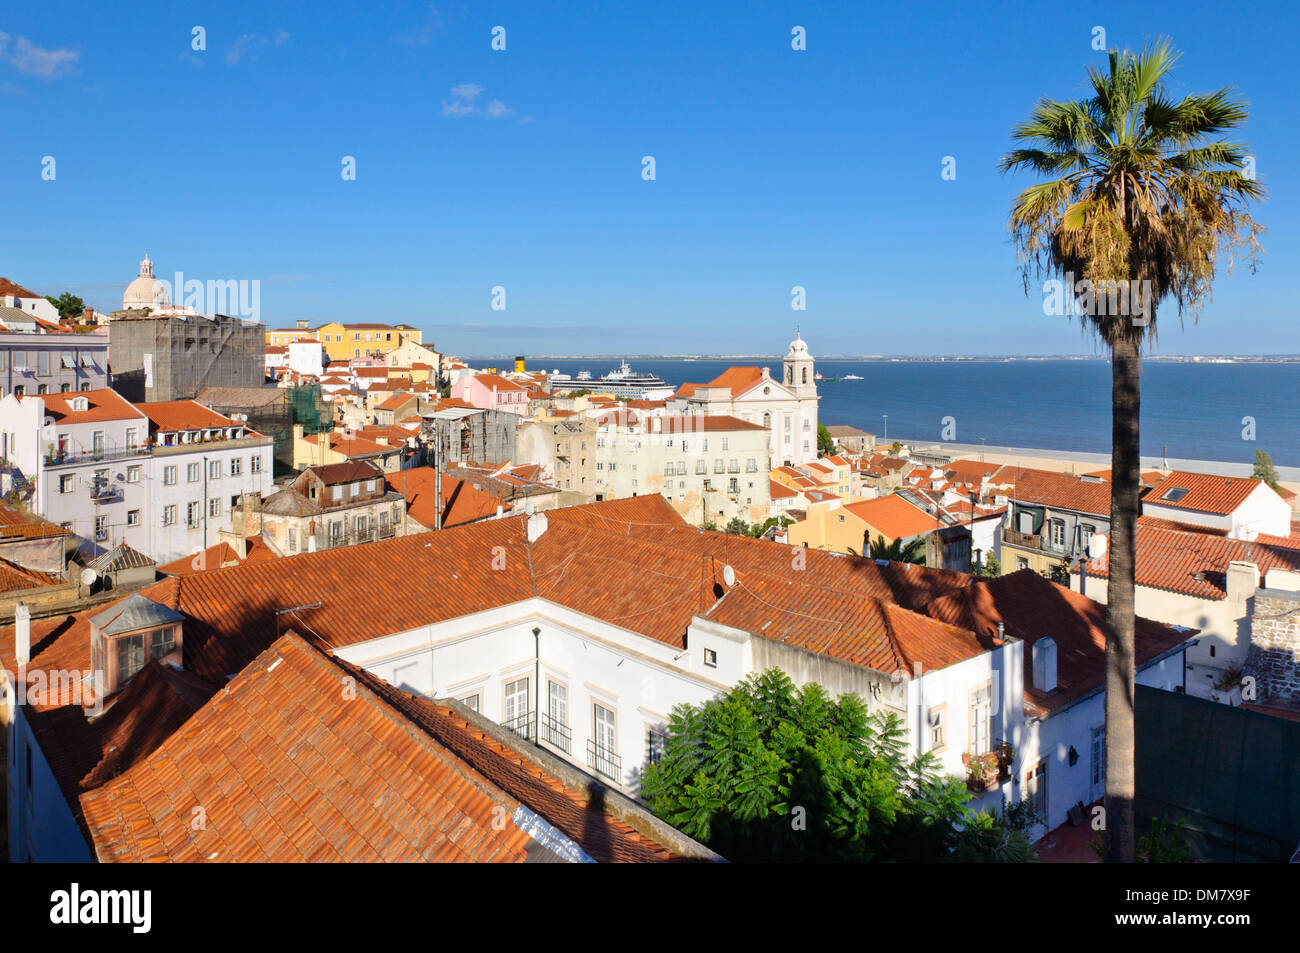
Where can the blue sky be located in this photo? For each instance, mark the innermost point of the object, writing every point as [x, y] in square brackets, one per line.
[522, 168]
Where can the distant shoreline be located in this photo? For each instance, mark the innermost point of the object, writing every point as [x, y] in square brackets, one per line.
[904, 359]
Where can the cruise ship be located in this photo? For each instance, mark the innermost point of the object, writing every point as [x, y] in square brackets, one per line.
[623, 382]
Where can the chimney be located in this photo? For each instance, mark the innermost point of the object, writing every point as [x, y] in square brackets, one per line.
[22, 634]
[1045, 664]
[1242, 580]
[297, 431]
[536, 526]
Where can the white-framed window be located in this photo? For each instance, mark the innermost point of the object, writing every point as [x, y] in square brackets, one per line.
[67, 483]
[656, 741]
[132, 517]
[980, 740]
[169, 515]
[169, 475]
[293, 539]
[134, 473]
[1058, 532]
[214, 469]
[516, 706]
[193, 473]
[938, 719]
[214, 506]
[255, 465]
[711, 658]
[604, 736]
[192, 512]
[471, 701]
[1036, 788]
[555, 730]
[101, 528]
[236, 466]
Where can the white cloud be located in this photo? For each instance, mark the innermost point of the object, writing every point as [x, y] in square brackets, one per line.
[245, 47]
[27, 57]
[462, 103]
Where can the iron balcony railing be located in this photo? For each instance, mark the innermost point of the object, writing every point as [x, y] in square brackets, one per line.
[604, 762]
[61, 458]
[556, 733]
[522, 725]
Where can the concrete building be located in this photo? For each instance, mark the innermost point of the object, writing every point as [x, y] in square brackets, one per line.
[711, 468]
[174, 356]
[456, 435]
[36, 364]
[492, 392]
[786, 407]
[565, 449]
[85, 455]
[339, 504]
[346, 341]
[201, 467]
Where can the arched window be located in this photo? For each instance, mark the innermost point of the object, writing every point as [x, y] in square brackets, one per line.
[789, 374]
[805, 375]
[767, 420]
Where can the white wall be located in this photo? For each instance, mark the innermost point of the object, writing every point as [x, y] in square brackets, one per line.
[41, 826]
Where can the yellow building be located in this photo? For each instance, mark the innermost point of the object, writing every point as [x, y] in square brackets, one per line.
[346, 341]
[842, 527]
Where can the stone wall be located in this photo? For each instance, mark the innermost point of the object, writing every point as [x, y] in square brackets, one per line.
[1274, 657]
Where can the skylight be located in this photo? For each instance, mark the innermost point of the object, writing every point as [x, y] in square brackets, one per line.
[1174, 494]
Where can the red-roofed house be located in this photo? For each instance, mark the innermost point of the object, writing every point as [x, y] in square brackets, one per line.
[844, 527]
[492, 392]
[1243, 508]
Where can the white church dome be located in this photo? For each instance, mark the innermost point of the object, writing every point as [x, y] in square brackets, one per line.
[797, 347]
[146, 291]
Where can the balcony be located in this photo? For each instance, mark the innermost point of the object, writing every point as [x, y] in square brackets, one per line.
[556, 733]
[522, 725]
[1024, 540]
[62, 458]
[604, 762]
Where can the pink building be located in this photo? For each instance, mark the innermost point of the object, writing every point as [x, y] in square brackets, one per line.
[492, 392]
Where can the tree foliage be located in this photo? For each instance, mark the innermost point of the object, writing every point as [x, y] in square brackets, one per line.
[771, 772]
[825, 442]
[70, 307]
[1264, 470]
[897, 551]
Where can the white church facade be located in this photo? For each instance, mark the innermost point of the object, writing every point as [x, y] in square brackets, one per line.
[786, 406]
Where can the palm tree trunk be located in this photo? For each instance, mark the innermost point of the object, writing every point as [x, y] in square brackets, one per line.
[1126, 369]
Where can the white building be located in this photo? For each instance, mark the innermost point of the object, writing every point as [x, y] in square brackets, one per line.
[85, 453]
[29, 302]
[786, 407]
[201, 464]
[711, 468]
[146, 291]
[307, 358]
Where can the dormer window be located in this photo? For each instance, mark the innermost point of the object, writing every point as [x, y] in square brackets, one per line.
[80, 403]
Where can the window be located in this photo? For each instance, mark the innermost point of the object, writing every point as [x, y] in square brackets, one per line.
[555, 728]
[214, 506]
[668, 469]
[65, 387]
[338, 492]
[255, 465]
[19, 390]
[97, 443]
[192, 473]
[604, 742]
[130, 656]
[169, 515]
[163, 641]
[711, 658]
[192, 514]
[1036, 789]
[42, 388]
[66, 483]
[470, 701]
[132, 517]
[236, 466]
[101, 528]
[1058, 533]
[131, 434]
[981, 719]
[169, 475]
[718, 467]
[516, 707]
[293, 539]
[134, 474]
[1022, 562]
[700, 467]
[656, 741]
[751, 465]
[214, 469]
[724, 443]
[938, 727]
[43, 363]
[85, 385]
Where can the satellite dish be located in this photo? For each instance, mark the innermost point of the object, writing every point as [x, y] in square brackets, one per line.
[88, 576]
[728, 575]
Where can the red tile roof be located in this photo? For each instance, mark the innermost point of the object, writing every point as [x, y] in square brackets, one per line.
[461, 503]
[169, 415]
[894, 516]
[102, 404]
[1059, 490]
[9, 289]
[1206, 493]
[737, 379]
[302, 757]
[1196, 564]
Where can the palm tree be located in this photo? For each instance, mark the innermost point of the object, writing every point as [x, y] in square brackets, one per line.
[1140, 189]
[895, 552]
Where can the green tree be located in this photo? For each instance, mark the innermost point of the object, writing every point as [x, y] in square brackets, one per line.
[69, 305]
[825, 442]
[897, 551]
[992, 568]
[1141, 194]
[737, 527]
[770, 772]
[1264, 470]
